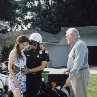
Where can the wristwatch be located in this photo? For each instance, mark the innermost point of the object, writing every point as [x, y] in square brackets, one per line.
[30, 70]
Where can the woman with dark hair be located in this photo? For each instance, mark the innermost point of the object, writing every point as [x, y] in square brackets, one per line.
[17, 61]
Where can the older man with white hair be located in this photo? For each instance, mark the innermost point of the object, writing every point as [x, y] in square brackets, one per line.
[77, 64]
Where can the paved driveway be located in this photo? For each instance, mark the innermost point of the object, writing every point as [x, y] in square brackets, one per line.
[93, 70]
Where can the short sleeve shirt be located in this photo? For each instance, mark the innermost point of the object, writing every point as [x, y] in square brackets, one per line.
[35, 57]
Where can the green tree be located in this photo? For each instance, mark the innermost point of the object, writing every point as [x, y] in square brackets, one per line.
[48, 15]
[5, 53]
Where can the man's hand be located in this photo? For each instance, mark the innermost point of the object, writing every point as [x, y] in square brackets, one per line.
[25, 70]
[66, 71]
[68, 82]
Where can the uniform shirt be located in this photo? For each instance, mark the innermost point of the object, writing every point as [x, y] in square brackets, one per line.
[35, 57]
[77, 58]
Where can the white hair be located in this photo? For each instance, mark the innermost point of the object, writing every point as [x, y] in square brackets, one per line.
[73, 31]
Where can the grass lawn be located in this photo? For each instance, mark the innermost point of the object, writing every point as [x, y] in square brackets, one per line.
[92, 88]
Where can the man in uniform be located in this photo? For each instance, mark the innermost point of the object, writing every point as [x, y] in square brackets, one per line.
[37, 59]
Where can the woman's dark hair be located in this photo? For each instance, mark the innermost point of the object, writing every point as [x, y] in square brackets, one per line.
[21, 39]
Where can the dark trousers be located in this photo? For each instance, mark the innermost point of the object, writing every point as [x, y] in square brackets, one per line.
[33, 84]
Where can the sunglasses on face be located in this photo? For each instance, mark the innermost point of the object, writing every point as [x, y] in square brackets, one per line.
[34, 44]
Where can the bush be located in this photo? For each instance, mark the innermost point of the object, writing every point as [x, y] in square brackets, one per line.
[5, 53]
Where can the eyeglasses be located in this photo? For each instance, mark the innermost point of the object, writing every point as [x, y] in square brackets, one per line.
[69, 35]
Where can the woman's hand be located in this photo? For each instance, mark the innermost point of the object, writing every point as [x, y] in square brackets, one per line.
[17, 84]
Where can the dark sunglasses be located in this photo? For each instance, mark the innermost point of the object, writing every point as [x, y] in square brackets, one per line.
[34, 44]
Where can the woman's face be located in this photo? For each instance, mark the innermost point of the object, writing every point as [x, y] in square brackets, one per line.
[24, 45]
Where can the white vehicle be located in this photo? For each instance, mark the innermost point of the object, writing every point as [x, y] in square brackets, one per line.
[3, 83]
[4, 65]
[1, 88]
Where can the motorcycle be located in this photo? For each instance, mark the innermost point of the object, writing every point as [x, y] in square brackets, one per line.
[54, 86]
[3, 83]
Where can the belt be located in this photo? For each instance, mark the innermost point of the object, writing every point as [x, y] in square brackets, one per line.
[83, 68]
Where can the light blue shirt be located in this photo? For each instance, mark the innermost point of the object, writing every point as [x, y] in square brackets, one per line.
[77, 58]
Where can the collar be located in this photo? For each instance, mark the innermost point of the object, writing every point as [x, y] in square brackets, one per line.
[74, 43]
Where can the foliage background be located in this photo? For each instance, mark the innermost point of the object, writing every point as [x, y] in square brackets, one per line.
[5, 53]
[48, 15]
